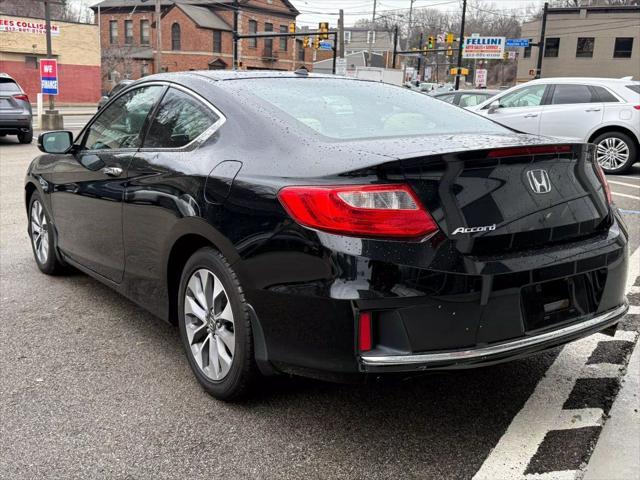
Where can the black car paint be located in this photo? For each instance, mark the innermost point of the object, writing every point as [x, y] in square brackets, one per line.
[305, 287]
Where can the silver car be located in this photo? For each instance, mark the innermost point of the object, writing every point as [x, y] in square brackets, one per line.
[16, 117]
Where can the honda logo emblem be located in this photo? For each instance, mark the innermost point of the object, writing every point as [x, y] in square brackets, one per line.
[539, 181]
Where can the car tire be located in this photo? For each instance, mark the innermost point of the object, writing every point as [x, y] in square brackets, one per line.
[26, 137]
[215, 326]
[616, 152]
[41, 234]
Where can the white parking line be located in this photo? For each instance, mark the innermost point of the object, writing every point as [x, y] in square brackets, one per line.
[544, 412]
[625, 195]
[631, 185]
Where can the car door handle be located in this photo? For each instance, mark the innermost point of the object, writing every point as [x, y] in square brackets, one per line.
[531, 115]
[112, 171]
[592, 110]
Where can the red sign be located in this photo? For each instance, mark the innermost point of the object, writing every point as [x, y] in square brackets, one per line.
[49, 75]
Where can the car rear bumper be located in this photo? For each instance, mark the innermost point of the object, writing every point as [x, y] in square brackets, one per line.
[15, 123]
[491, 354]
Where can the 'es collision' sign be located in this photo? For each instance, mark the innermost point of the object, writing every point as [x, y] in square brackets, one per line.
[483, 47]
[25, 26]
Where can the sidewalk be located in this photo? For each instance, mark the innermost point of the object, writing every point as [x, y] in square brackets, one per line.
[617, 453]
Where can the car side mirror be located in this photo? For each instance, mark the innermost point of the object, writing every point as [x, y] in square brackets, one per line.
[59, 141]
[493, 107]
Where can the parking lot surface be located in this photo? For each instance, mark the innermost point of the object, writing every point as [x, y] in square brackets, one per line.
[94, 387]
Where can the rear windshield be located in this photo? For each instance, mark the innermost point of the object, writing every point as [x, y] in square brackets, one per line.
[635, 88]
[348, 109]
[9, 86]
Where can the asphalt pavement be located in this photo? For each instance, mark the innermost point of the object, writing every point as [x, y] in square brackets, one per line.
[94, 387]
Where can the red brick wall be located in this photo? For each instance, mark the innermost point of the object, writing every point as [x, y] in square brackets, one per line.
[76, 83]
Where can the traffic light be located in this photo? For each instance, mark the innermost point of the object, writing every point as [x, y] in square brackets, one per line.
[430, 42]
[316, 42]
[449, 51]
[305, 42]
[323, 27]
[505, 56]
[450, 38]
[292, 27]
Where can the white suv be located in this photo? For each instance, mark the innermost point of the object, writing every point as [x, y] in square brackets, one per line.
[604, 111]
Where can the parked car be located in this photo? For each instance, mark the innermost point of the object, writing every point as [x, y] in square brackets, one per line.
[116, 88]
[604, 111]
[466, 98]
[395, 234]
[16, 117]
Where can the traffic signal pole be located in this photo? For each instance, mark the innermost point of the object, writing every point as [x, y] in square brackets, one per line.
[541, 42]
[236, 8]
[461, 43]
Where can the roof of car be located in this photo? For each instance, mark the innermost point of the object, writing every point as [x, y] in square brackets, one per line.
[472, 91]
[222, 75]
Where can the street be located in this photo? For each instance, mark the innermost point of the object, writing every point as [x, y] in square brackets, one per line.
[95, 387]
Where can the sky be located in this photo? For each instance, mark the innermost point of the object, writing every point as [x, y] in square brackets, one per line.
[314, 11]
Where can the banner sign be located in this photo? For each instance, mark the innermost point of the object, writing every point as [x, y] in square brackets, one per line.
[23, 26]
[49, 76]
[517, 42]
[483, 47]
[481, 78]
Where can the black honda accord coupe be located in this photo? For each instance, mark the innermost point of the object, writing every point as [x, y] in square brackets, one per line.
[329, 227]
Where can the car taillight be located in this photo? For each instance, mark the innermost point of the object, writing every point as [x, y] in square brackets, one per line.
[637, 107]
[365, 340]
[359, 210]
[603, 181]
[21, 96]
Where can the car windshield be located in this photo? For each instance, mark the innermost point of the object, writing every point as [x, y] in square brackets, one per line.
[635, 88]
[350, 110]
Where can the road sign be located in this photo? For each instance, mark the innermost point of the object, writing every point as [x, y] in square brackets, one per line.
[483, 47]
[325, 46]
[341, 66]
[517, 42]
[481, 78]
[49, 76]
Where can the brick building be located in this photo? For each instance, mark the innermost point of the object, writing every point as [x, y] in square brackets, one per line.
[196, 35]
[23, 44]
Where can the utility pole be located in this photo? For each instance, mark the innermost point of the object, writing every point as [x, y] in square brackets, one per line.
[461, 43]
[541, 42]
[236, 6]
[420, 56]
[158, 59]
[373, 37]
[395, 45]
[341, 34]
[51, 119]
[408, 42]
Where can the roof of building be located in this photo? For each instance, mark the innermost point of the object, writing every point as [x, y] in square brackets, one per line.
[150, 3]
[204, 17]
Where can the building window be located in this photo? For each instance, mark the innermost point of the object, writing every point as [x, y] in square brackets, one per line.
[253, 28]
[300, 52]
[217, 41]
[175, 36]
[144, 70]
[268, 42]
[113, 32]
[284, 40]
[623, 47]
[527, 50]
[551, 47]
[128, 32]
[584, 47]
[145, 37]
[371, 36]
[31, 61]
[347, 37]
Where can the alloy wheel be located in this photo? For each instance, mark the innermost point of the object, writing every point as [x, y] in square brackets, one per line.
[612, 153]
[209, 324]
[39, 232]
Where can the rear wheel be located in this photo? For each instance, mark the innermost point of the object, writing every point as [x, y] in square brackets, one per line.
[615, 152]
[41, 235]
[26, 137]
[215, 326]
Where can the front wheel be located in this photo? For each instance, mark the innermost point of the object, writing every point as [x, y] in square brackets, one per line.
[615, 152]
[41, 235]
[215, 326]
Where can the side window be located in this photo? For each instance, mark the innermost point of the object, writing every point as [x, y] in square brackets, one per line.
[471, 100]
[179, 120]
[120, 124]
[524, 97]
[567, 94]
[447, 98]
[604, 95]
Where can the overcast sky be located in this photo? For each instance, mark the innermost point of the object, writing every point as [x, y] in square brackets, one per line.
[314, 11]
